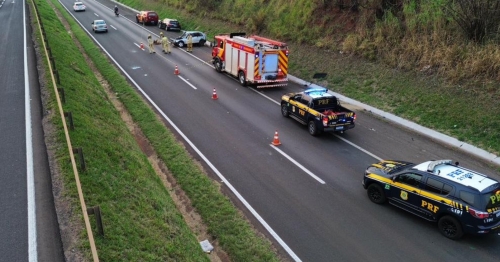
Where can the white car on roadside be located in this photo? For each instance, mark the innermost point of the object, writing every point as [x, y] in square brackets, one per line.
[199, 38]
[78, 6]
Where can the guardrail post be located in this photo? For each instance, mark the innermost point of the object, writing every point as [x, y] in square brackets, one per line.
[79, 152]
[69, 115]
[97, 212]
[57, 76]
[63, 100]
[52, 61]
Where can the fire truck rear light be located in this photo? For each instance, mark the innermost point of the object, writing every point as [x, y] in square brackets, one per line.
[478, 214]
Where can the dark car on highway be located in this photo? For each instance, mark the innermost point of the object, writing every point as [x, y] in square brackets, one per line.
[458, 199]
[169, 24]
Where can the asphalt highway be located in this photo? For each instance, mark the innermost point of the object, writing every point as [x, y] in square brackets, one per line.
[306, 194]
[29, 230]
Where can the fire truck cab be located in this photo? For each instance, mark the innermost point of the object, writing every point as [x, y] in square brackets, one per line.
[254, 60]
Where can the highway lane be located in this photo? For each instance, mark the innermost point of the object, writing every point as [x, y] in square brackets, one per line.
[13, 166]
[319, 222]
[29, 230]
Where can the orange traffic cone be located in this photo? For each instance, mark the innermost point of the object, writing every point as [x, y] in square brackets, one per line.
[214, 95]
[141, 46]
[276, 140]
[176, 71]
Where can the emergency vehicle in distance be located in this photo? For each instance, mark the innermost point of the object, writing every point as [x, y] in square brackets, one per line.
[254, 60]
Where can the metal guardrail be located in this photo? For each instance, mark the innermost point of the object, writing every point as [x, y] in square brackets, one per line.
[55, 78]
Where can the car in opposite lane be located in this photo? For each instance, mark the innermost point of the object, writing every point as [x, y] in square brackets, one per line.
[199, 38]
[99, 26]
[79, 6]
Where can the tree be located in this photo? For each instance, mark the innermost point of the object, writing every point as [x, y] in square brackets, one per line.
[478, 19]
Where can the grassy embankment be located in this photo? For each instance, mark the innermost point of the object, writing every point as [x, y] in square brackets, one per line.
[141, 221]
[416, 65]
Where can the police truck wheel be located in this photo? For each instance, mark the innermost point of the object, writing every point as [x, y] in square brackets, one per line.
[313, 128]
[376, 194]
[450, 227]
[241, 77]
[284, 110]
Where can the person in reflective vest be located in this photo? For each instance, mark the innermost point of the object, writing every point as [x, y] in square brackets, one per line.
[190, 43]
[165, 43]
[150, 45]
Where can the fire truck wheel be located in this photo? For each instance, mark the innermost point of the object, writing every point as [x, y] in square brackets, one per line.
[241, 77]
[218, 65]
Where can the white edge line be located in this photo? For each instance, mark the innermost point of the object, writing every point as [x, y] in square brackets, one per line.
[32, 234]
[235, 192]
[451, 141]
[298, 164]
[187, 82]
[358, 147]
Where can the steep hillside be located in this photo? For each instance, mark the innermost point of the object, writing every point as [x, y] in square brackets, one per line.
[408, 57]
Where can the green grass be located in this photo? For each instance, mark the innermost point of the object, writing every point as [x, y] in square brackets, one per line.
[455, 96]
[141, 221]
[465, 109]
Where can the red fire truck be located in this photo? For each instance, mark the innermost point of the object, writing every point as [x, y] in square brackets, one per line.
[254, 60]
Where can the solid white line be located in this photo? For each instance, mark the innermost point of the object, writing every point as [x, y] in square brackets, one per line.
[358, 147]
[187, 82]
[32, 244]
[298, 164]
[233, 190]
[265, 96]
